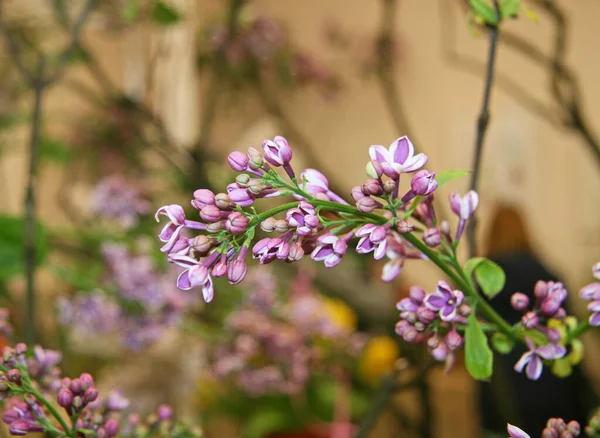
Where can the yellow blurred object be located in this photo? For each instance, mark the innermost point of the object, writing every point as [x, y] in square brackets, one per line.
[207, 390]
[378, 359]
[340, 313]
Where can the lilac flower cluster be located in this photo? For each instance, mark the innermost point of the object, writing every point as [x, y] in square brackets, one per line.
[555, 428]
[591, 293]
[143, 305]
[433, 319]
[116, 198]
[259, 44]
[275, 345]
[28, 383]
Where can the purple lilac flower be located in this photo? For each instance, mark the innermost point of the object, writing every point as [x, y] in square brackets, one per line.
[550, 297]
[445, 301]
[114, 197]
[316, 184]
[591, 293]
[532, 359]
[399, 158]
[303, 218]
[372, 238]
[463, 207]
[330, 249]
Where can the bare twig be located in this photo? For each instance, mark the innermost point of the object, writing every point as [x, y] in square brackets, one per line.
[482, 124]
[39, 83]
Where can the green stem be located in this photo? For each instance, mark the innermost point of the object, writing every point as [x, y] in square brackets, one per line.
[267, 214]
[578, 331]
[485, 307]
[52, 411]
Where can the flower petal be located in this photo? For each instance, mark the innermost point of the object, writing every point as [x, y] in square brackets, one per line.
[515, 432]
[208, 290]
[534, 368]
[183, 280]
[379, 153]
[525, 359]
[380, 250]
[435, 301]
[333, 260]
[448, 313]
[401, 150]
[595, 319]
[415, 163]
[391, 270]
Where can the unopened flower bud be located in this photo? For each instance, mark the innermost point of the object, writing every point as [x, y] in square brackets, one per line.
[389, 186]
[255, 186]
[214, 227]
[111, 427]
[423, 183]
[236, 223]
[367, 205]
[464, 310]
[404, 227]
[553, 335]
[519, 301]
[550, 306]
[242, 179]
[530, 320]
[357, 193]
[64, 398]
[374, 169]
[14, 376]
[281, 226]
[236, 271]
[238, 161]
[77, 402]
[371, 187]
[210, 213]
[425, 315]
[541, 289]
[202, 198]
[550, 433]
[416, 294]
[90, 394]
[296, 252]
[256, 163]
[220, 269]
[268, 225]
[453, 340]
[431, 237]
[445, 228]
[223, 201]
[321, 196]
[201, 243]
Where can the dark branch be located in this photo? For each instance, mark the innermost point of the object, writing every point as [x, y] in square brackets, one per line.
[14, 50]
[482, 124]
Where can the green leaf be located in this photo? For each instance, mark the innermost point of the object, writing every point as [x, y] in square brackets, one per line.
[12, 244]
[502, 343]
[510, 8]
[164, 14]
[489, 275]
[130, 11]
[55, 150]
[447, 176]
[479, 358]
[266, 420]
[484, 11]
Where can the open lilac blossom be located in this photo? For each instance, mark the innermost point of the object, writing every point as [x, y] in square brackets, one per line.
[532, 360]
[445, 300]
[399, 158]
[591, 293]
[463, 207]
[372, 239]
[330, 249]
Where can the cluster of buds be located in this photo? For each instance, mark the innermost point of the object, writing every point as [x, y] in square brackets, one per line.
[28, 407]
[433, 319]
[591, 293]
[555, 428]
[321, 223]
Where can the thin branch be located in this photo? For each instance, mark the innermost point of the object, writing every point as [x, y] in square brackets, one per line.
[482, 124]
[14, 50]
[74, 42]
[30, 251]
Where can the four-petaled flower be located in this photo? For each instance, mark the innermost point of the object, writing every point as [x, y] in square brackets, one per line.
[464, 206]
[373, 238]
[532, 359]
[445, 301]
[330, 249]
[303, 217]
[399, 158]
[266, 250]
[195, 274]
[171, 232]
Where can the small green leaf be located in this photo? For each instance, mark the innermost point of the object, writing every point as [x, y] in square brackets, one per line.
[510, 8]
[164, 14]
[489, 275]
[12, 244]
[484, 11]
[479, 358]
[447, 176]
[502, 343]
[530, 13]
[130, 11]
[55, 150]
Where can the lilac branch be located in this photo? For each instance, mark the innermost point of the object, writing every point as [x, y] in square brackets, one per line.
[482, 124]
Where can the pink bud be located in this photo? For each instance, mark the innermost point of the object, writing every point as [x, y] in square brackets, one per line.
[431, 237]
[519, 301]
[453, 340]
[165, 412]
[241, 197]
[236, 223]
[202, 244]
[236, 271]
[367, 205]
[541, 289]
[277, 151]
[404, 227]
[210, 213]
[357, 193]
[530, 320]
[223, 201]
[296, 252]
[202, 198]
[64, 398]
[220, 269]
[111, 427]
[374, 169]
[238, 161]
[423, 183]
[90, 394]
[372, 187]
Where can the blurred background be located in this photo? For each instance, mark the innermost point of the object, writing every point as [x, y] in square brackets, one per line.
[143, 109]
